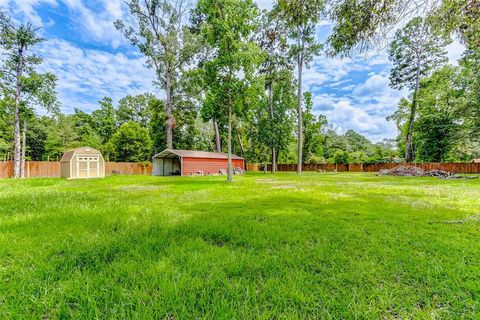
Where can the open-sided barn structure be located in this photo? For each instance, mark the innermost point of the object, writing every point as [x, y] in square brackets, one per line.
[185, 162]
[82, 163]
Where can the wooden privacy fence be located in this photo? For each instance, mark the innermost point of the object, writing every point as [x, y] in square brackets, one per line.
[51, 169]
[128, 168]
[374, 167]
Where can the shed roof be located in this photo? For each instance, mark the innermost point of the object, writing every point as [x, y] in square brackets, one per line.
[170, 153]
[68, 155]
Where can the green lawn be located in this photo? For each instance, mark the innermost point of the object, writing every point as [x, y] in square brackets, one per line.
[279, 246]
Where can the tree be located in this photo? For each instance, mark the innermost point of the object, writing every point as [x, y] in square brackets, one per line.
[441, 118]
[5, 128]
[272, 123]
[16, 40]
[227, 27]
[361, 24]
[273, 41]
[416, 51]
[18, 79]
[61, 136]
[301, 18]
[135, 108]
[104, 120]
[156, 28]
[312, 132]
[39, 90]
[85, 125]
[470, 82]
[461, 17]
[36, 137]
[131, 142]
[444, 126]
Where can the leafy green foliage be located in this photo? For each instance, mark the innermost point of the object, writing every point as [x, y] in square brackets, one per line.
[444, 128]
[130, 143]
[20, 84]
[301, 18]
[416, 51]
[364, 24]
[312, 132]
[357, 23]
[105, 119]
[135, 108]
[61, 136]
[461, 17]
[157, 29]
[227, 26]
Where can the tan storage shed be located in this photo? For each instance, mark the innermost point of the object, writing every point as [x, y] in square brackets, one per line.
[82, 163]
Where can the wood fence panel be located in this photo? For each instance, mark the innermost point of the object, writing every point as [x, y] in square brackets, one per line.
[355, 167]
[42, 169]
[51, 169]
[127, 168]
[6, 169]
[465, 168]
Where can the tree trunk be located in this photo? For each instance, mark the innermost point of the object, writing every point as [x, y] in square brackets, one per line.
[411, 119]
[272, 142]
[24, 147]
[16, 118]
[170, 119]
[300, 113]
[229, 167]
[218, 141]
[242, 149]
[409, 140]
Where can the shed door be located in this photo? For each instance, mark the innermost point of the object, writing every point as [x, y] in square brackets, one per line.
[88, 167]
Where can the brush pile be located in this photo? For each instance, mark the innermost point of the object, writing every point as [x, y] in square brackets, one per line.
[411, 171]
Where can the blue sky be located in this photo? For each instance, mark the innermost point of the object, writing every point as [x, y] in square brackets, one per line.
[92, 60]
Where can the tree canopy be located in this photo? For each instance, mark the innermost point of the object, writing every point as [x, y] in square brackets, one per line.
[229, 78]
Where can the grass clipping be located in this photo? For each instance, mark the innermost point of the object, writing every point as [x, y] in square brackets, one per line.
[412, 171]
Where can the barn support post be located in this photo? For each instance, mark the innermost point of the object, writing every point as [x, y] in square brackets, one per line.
[181, 166]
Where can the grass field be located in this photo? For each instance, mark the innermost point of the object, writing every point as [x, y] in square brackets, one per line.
[279, 246]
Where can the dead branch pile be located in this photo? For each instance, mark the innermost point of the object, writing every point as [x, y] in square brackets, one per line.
[402, 171]
[411, 171]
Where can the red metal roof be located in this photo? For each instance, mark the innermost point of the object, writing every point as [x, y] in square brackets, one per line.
[168, 153]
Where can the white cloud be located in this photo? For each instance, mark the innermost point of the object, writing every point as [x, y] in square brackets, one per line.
[372, 86]
[455, 51]
[344, 115]
[93, 19]
[351, 105]
[98, 21]
[264, 4]
[27, 8]
[85, 76]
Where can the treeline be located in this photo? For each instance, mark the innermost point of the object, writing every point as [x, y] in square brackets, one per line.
[232, 75]
[440, 119]
[134, 129]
